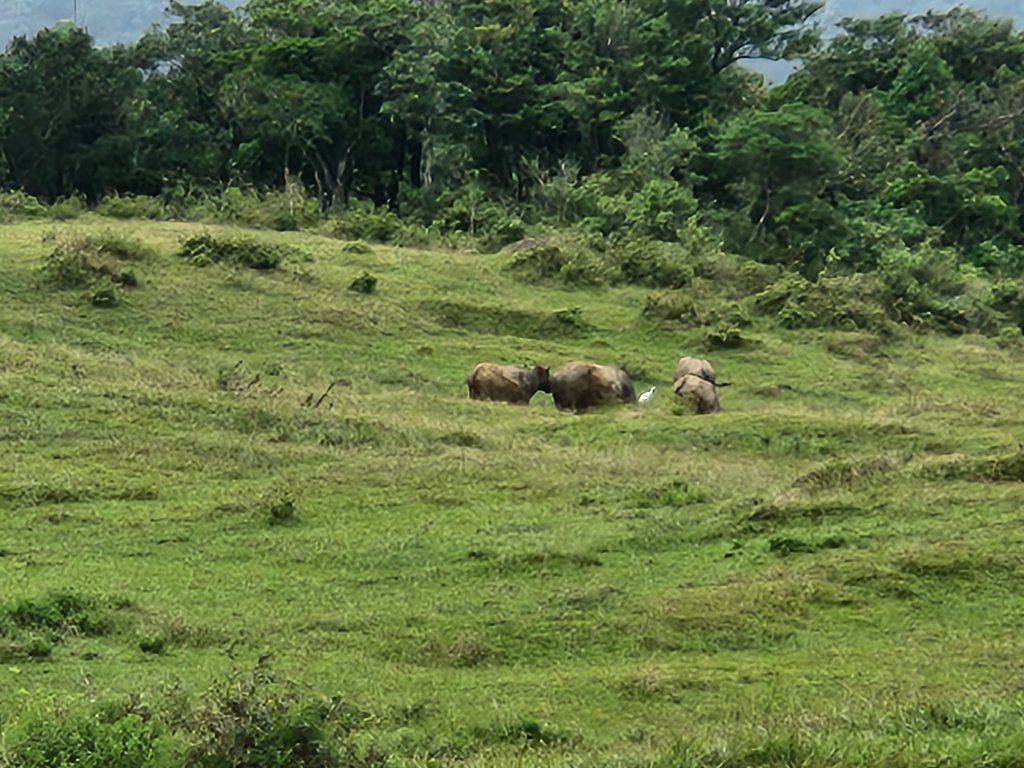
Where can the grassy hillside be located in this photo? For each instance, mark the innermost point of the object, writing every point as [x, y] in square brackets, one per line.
[258, 485]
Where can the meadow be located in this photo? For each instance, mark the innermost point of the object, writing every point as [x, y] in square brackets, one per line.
[242, 492]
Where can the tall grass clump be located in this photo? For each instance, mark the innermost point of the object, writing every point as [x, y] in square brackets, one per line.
[31, 628]
[252, 721]
[131, 207]
[568, 261]
[16, 205]
[284, 211]
[94, 263]
[208, 248]
[64, 613]
[97, 737]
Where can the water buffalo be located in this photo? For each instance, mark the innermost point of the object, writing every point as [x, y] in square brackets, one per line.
[699, 394]
[578, 386]
[507, 383]
[695, 366]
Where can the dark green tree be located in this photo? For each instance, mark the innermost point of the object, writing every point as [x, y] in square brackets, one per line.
[63, 104]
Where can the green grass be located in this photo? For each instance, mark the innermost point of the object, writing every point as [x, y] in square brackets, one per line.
[234, 464]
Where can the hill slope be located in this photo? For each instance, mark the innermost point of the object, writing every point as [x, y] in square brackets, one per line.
[262, 470]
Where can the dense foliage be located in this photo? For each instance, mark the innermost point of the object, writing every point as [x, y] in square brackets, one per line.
[897, 148]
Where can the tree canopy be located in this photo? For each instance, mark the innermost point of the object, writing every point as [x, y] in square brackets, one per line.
[619, 118]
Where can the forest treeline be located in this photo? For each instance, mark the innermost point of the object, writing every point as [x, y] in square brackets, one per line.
[897, 147]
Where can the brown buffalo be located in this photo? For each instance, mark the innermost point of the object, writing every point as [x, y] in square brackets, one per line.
[699, 394]
[507, 383]
[695, 366]
[579, 386]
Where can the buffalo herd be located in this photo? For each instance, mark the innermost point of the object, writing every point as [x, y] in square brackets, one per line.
[580, 386]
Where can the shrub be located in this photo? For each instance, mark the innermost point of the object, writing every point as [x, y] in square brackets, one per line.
[695, 308]
[131, 207]
[476, 318]
[105, 297]
[660, 209]
[39, 648]
[535, 260]
[283, 211]
[1010, 337]
[653, 263]
[365, 283]
[69, 265]
[67, 208]
[83, 261]
[62, 613]
[251, 722]
[362, 221]
[153, 643]
[358, 247]
[208, 248]
[280, 509]
[120, 245]
[850, 303]
[503, 230]
[16, 204]
[928, 287]
[735, 276]
[99, 738]
[724, 337]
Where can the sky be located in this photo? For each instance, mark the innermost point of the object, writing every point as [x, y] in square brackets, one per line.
[111, 21]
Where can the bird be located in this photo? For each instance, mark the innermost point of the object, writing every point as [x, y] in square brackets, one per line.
[647, 396]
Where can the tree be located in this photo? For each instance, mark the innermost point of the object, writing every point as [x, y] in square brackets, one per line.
[779, 159]
[64, 103]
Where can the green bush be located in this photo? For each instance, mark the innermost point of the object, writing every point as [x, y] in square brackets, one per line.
[105, 297]
[659, 209]
[80, 261]
[653, 263]
[363, 221]
[97, 738]
[67, 208]
[207, 248]
[365, 283]
[696, 307]
[357, 247]
[927, 287]
[154, 643]
[536, 260]
[724, 337]
[283, 211]
[853, 302]
[62, 613]
[120, 245]
[504, 230]
[16, 205]
[252, 722]
[131, 207]
[69, 265]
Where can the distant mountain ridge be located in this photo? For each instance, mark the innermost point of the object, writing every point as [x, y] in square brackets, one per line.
[123, 21]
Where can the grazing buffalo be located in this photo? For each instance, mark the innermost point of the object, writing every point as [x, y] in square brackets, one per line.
[699, 394]
[694, 366]
[507, 383]
[579, 386]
